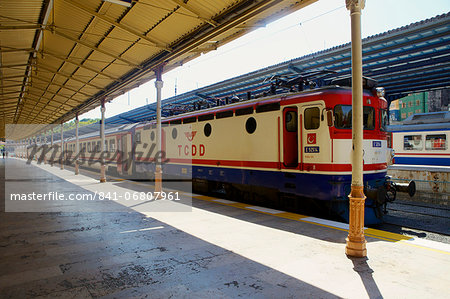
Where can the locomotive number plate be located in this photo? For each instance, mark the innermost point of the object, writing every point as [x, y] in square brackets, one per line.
[376, 143]
[312, 149]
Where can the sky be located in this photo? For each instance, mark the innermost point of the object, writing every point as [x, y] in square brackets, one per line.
[319, 26]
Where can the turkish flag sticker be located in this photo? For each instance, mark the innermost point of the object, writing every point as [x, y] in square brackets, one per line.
[311, 138]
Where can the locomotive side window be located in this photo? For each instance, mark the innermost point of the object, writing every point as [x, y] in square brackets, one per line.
[250, 125]
[436, 142]
[384, 119]
[312, 118]
[291, 121]
[174, 133]
[369, 118]
[152, 136]
[207, 130]
[412, 143]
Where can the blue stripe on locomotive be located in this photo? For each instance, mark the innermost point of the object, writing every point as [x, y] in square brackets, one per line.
[324, 187]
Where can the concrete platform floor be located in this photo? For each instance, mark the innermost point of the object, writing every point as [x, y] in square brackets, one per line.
[216, 249]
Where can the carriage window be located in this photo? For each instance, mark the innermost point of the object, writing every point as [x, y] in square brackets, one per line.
[112, 145]
[98, 146]
[291, 121]
[412, 142]
[89, 147]
[312, 118]
[436, 142]
[343, 117]
[106, 146]
[384, 119]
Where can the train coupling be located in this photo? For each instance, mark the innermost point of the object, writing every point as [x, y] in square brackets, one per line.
[383, 194]
[409, 187]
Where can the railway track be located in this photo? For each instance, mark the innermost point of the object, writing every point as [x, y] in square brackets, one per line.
[418, 219]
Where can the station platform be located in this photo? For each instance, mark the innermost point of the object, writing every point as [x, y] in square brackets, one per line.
[200, 247]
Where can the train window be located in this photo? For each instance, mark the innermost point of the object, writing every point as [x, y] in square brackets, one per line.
[106, 146]
[224, 114]
[175, 122]
[112, 145]
[268, 107]
[206, 117]
[174, 133]
[244, 111]
[291, 121]
[412, 143]
[436, 142]
[312, 118]
[384, 119]
[137, 137]
[98, 149]
[207, 129]
[152, 136]
[89, 147]
[250, 125]
[189, 120]
[369, 118]
[343, 117]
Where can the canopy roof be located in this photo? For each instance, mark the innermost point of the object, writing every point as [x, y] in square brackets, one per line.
[60, 58]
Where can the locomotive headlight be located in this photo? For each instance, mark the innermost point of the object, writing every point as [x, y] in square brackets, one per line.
[380, 92]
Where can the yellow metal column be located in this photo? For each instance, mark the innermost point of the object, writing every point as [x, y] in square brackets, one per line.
[77, 148]
[51, 145]
[102, 140]
[158, 169]
[62, 147]
[356, 243]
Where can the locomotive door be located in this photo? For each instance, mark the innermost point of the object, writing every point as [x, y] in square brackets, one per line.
[315, 148]
[290, 137]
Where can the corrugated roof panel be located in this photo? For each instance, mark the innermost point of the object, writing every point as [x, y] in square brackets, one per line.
[82, 22]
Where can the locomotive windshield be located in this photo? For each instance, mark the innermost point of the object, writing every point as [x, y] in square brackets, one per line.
[343, 117]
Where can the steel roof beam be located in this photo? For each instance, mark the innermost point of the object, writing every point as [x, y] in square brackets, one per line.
[87, 45]
[69, 77]
[198, 14]
[80, 65]
[47, 8]
[153, 41]
[63, 86]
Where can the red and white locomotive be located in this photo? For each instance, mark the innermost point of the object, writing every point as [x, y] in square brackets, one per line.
[288, 148]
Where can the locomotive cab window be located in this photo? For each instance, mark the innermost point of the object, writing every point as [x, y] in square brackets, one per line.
[436, 142]
[312, 118]
[412, 142]
[291, 121]
[343, 117]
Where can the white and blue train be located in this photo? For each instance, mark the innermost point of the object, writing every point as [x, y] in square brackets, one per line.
[422, 139]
